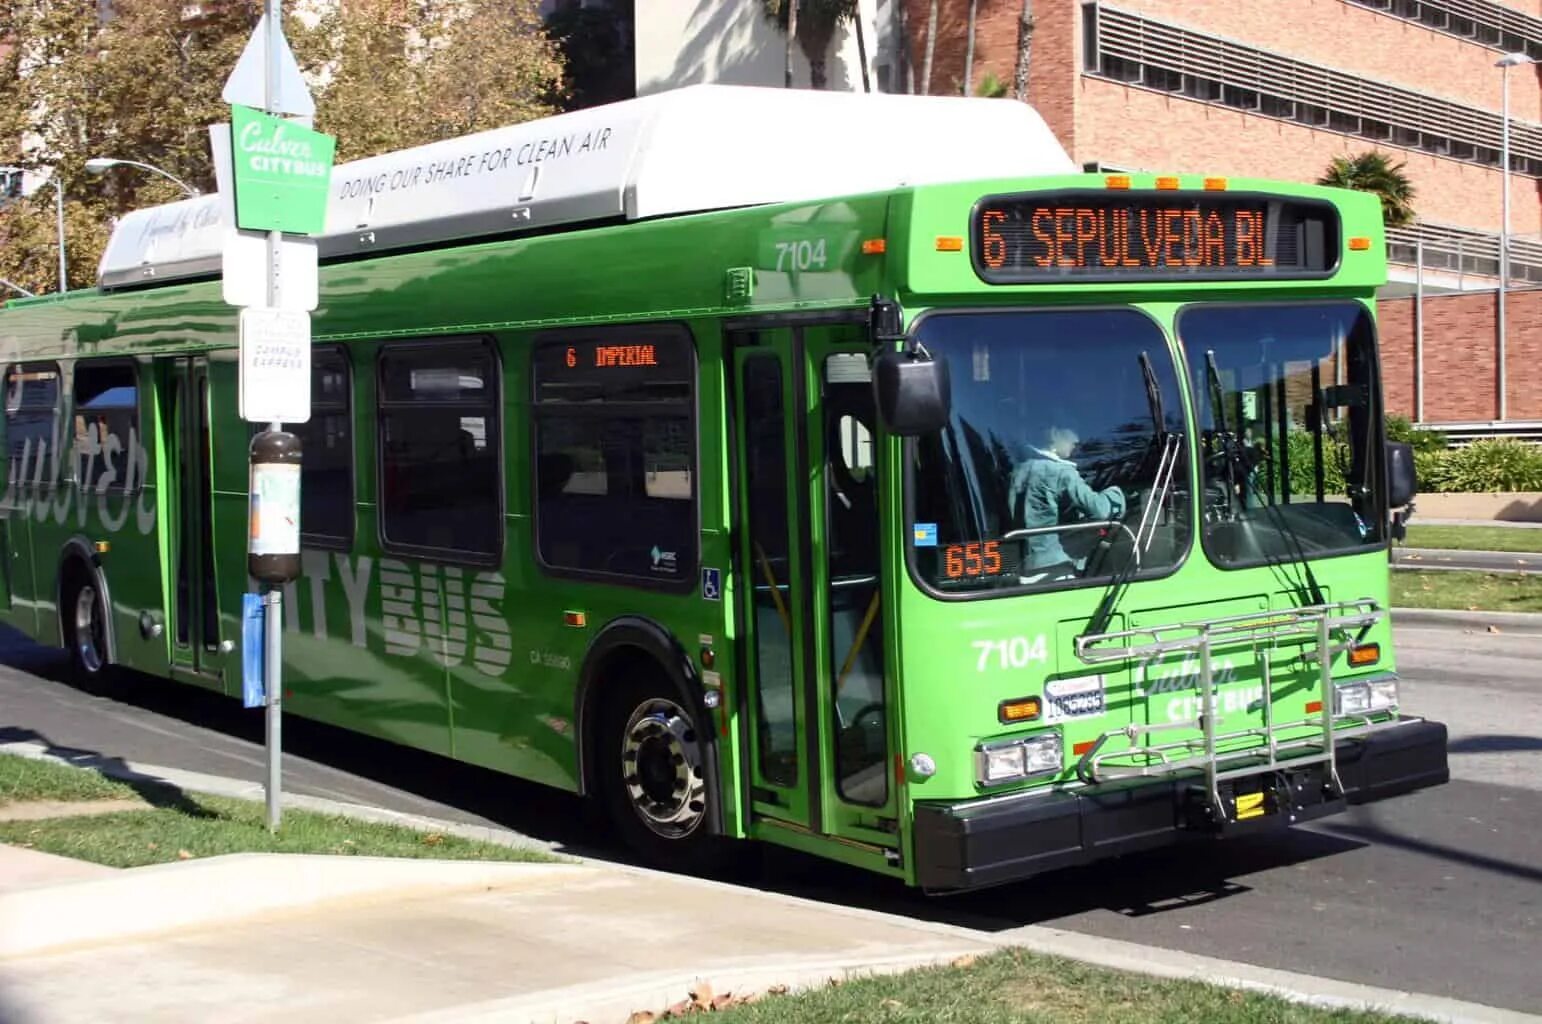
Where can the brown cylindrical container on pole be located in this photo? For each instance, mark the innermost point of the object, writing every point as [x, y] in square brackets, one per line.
[273, 543]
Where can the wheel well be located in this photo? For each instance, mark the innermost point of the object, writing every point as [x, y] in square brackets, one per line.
[621, 662]
[73, 573]
[76, 568]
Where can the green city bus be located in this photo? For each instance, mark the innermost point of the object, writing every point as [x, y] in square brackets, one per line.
[849, 473]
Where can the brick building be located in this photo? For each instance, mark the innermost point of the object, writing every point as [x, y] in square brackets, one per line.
[1268, 88]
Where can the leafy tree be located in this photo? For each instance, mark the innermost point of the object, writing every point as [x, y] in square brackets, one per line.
[401, 74]
[818, 21]
[1375, 172]
[144, 84]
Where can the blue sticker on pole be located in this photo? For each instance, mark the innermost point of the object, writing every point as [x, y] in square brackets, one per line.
[252, 694]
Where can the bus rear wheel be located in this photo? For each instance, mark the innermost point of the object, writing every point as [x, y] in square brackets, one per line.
[655, 780]
[85, 629]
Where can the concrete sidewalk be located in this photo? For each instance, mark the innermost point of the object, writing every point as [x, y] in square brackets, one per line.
[257, 938]
[538, 942]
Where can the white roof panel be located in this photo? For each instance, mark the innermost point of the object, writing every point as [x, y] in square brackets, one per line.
[704, 147]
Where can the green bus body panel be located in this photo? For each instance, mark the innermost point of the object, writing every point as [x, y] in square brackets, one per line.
[478, 662]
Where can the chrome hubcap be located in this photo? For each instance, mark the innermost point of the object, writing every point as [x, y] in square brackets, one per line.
[661, 767]
[87, 630]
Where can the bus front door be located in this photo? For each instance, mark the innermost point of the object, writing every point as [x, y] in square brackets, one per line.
[816, 697]
[193, 611]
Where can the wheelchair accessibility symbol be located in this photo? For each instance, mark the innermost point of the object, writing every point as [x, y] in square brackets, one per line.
[712, 584]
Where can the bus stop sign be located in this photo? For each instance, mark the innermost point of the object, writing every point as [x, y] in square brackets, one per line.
[282, 170]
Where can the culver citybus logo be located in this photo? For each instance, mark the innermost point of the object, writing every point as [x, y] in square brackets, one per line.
[279, 151]
[283, 172]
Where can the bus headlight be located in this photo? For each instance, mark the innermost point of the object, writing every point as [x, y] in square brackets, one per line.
[1021, 758]
[1365, 696]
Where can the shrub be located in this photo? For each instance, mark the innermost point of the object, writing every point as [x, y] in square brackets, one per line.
[1496, 465]
[1401, 428]
[1432, 470]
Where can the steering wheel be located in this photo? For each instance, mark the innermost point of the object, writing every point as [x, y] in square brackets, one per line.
[867, 709]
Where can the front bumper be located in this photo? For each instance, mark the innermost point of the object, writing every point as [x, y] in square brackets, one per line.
[980, 843]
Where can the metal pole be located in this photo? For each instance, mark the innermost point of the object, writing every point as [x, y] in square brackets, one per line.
[64, 280]
[272, 682]
[273, 643]
[1504, 228]
[1418, 319]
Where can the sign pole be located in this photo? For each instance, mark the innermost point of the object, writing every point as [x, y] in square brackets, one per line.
[279, 171]
[272, 633]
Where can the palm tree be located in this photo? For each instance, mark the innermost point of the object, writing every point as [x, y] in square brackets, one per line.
[1375, 172]
[969, 48]
[814, 27]
[931, 48]
[1024, 51]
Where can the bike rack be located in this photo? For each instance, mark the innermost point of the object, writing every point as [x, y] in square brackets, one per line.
[1313, 626]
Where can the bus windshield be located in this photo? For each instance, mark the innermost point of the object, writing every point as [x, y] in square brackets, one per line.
[1286, 401]
[1063, 460]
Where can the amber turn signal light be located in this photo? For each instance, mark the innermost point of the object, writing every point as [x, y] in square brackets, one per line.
[1365, 654]
[1023, 709]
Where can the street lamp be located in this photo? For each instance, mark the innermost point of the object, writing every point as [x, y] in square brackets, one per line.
[99, 164]
[1505, 63]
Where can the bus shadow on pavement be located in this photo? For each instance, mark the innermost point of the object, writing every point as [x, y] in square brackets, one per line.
[1140, 885]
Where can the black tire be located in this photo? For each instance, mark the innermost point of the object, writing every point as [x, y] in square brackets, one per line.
[84, 617]
[654, 780]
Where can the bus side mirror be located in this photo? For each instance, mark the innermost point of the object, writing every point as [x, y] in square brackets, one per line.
[1402, 481]
[911, 392]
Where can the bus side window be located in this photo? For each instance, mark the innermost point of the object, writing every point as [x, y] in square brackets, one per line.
[615, 459]
[440, 486]
[106, 422]
[32, 429]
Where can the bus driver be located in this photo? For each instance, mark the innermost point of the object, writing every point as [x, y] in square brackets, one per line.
[1046, 490]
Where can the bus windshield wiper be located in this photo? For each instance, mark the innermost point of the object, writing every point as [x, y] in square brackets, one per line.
[1145, 531]
[1221, 433]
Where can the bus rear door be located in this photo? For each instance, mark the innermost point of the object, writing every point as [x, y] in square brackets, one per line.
[188, 534]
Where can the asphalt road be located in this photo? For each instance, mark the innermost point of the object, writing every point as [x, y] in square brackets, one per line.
[1476, 561]
[1437, 892]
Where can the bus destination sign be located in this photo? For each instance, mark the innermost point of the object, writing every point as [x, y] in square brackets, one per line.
[1022, 239]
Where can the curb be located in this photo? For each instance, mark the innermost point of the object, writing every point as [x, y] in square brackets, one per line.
[1515, 622]
[587, 1003]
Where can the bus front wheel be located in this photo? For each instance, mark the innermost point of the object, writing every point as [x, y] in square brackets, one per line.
[656, 782]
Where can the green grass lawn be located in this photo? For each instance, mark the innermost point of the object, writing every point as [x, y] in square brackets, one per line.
[1015, 986]
[183, 825]
[25, 778]
[1488, 591]
[1475, 538]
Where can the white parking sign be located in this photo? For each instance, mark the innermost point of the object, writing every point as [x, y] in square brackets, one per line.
[275, 365]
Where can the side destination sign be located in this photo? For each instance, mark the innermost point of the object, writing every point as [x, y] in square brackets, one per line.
[282, 170]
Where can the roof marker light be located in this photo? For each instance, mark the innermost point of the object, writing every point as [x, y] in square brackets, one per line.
[1168, 183]
[950, 243]
[874, 246]
[1119, 181]
[1359, 244]
[1215, 184]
